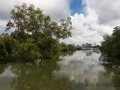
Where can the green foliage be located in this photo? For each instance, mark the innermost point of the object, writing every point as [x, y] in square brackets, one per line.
[35, 35]
[63, 47]
[3, 51]
[71, 47]
[9, 42]
[110, 57]
[7, 46]
[78, 48]
[66, 47]
[111, 45]
[12, 50]
[110, 48]
[26, 51]
[27, 19]
[47, 46]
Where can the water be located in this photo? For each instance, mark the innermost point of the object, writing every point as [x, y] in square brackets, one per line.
[80, 71]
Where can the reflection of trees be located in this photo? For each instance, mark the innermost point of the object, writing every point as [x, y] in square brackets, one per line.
[110, 49]
[110, 61]
[2, 67]
[96, 50]
[88, 53]
[39, 76]
[67, 53]
[112, 66]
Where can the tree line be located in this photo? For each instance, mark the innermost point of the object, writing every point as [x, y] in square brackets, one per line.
[110, 48]
[110, 56]
[34, 35]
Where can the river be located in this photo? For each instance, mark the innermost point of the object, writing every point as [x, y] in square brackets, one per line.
[80, 71]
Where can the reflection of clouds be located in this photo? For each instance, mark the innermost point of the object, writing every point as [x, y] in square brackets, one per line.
[77, 56]
[7, 73]
[6, 78]
[80, 56]
[80, 67]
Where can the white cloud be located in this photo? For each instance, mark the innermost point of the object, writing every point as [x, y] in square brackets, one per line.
[2, 25]
[57, 9]
[5, 8]
[86, 28]
[107, 10]
[99, 17]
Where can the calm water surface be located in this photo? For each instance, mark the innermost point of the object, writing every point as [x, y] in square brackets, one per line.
[80, 71]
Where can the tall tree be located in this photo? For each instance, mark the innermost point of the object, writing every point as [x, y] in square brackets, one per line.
[29, 22]
[27, 19]
[110, 47]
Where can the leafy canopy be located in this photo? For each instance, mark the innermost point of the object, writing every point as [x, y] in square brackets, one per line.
[27, 19]
[35, 35]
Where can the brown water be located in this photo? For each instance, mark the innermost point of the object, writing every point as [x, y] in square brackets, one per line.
[80, 71]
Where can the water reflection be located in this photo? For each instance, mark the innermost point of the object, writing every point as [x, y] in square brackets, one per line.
[34, 76]
[80, 67]
[84, 68]
[66, 73]
[112, 66]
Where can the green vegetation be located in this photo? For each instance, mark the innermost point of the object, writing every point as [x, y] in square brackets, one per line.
[110, 57]
[35, 35]
[78, 48]
[64, 47]
[111, 44]
[110, 48]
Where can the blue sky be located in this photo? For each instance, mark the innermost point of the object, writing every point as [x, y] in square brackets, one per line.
[76, 6]
[90, 20]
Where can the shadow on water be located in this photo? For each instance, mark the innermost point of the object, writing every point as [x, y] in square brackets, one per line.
[2, 67]
[112, 66]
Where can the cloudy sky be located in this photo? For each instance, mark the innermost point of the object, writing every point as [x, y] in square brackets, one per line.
[91, 18]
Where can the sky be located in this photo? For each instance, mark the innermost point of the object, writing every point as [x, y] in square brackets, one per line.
[91, 19]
